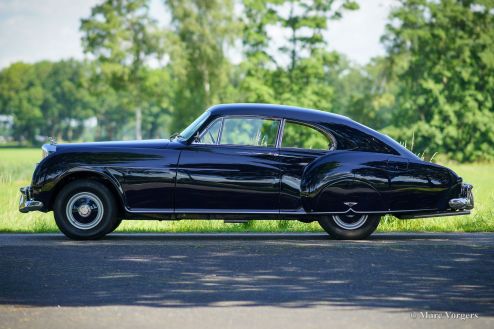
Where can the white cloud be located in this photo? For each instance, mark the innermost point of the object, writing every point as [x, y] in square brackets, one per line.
[358, 34]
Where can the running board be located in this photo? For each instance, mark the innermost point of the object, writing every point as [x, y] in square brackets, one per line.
[437, 214]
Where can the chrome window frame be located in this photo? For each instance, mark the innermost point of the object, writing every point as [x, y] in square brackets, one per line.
[222, 118]
[310, 125]
[206, 129]
[279, 137]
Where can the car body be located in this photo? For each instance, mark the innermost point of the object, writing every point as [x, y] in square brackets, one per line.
[254, 161]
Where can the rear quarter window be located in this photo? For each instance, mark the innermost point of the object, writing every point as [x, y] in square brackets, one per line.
[297, 135]
[349, 138]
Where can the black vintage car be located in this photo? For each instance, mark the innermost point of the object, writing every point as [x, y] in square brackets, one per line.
[245, 161]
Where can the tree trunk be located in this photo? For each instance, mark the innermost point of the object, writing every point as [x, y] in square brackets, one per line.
[70, 131]
[293, 54]
[138, 123]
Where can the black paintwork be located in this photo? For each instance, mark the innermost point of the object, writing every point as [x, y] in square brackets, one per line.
[180, 179]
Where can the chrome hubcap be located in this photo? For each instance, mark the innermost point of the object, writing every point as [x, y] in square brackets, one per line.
[350, 221]
[84, 210]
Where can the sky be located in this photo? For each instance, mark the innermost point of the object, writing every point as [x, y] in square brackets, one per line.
[34, 30]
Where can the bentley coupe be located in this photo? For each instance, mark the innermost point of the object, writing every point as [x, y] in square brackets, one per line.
[240, 162]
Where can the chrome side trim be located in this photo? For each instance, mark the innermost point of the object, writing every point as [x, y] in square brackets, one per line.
[370, 212]
[226, 211]
[149, 211]
[210, 211]
[262, 212]
[438, 214]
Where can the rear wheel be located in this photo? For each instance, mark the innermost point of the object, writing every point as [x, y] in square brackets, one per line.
[350, 226]
[85, 210]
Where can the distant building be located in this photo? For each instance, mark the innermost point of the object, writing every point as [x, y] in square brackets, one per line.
[6, 125]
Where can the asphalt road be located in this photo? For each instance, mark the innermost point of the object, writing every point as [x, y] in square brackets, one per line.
[247, 281]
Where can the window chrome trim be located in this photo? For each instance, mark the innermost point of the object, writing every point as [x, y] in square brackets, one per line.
[310, 125]
[279, 137]
[220, 133]
[280, 133]
[206, 129]
[261, 117]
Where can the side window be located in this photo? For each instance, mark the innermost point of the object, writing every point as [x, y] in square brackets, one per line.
[211, 134]
[304, 137]
[250, 131]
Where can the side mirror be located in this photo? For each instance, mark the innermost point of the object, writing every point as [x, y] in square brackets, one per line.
[197, 138]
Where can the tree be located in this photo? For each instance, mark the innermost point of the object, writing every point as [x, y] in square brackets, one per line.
[306, 22]
[157, 102]
[46, 99]
[255, 77]
[200, 32]
[364, 93]
[67, 101]
[21, 96]
[123, 37]
[445, 50]
[296, 73]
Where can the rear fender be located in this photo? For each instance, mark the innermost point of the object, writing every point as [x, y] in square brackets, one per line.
[329, 185]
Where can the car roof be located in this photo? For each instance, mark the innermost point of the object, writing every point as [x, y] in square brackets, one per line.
[280, 111]
[304, 115]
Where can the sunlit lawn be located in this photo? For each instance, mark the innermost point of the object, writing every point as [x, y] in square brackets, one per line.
[17, 165]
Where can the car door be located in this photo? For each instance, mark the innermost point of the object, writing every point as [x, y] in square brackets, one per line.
[300, 145]
[231, 167]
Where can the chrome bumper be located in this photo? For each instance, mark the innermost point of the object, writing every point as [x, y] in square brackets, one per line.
[26, 203]
[465, 201]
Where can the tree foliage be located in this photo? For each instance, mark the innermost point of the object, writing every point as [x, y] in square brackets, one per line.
[46, 98]
[297, 72]
[198, 37]
[124, 38]
[446, 80]
[433, 88]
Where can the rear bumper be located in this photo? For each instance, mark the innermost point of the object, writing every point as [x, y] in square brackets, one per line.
[26, 202]
[465, 200]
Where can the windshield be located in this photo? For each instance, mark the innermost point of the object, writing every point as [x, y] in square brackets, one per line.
[192, 128]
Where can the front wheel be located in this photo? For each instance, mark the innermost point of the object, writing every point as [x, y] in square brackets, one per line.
[85, 210]
[350, 226]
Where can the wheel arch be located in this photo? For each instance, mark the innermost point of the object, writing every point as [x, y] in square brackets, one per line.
[90, 174]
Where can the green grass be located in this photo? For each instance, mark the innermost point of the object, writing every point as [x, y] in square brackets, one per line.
[17, 165]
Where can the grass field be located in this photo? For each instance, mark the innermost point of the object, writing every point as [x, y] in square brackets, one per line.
[17, 165]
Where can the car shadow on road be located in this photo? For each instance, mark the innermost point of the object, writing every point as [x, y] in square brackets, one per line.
[434, 272]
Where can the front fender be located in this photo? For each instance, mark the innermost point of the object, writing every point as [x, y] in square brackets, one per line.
[51, 176]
